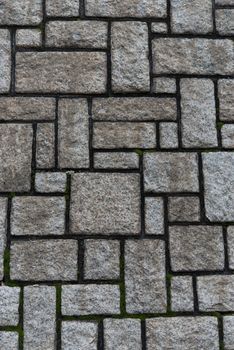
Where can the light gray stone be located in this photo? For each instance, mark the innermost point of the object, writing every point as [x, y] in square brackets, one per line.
[227, 133]
[182, 333]
[195, 248]
[181, 294]
[39, 317]
[9, 305]
[116, 160]
[145, 276]
[59, 72]
[21, 12]
[50, 182]
[3, 231]
[164, 85]
[228, 330]
[124, 135]
[133, 8]
[129, 57]
[8, 340]
[105, 203]
[101, 259]
[159, 27]
[191, 16]
[198, 113]
[230, 239]
[16, 156]
[216, 293]
[62, 8]
[122, 334]
[183, 209]
[90, 299]
[45, 156]
[218, 170]
[192, 56]
[5, 58]
[154, 216]
[171, 172]
[27, 108]
[224, 19]
[73, 133]
[79, 335]
[38, 216]
[168, 135]
[134, 108]
[84, 34]
[43, 260]
[224, 2]
[28, 37]
[226, 99]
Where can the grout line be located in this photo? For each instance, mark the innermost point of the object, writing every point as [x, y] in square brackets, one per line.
[143, 335]
[81, 252]
[100, 345]
[142, 196]
[56, 134]
[34, 152]
[58, 316]
[195, 295]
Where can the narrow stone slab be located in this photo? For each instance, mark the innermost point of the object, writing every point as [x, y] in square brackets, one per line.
[39, 317]
[3, 230]
[5, 58]
[59, 72]
[145, 276]
[79, 335]
[129, 56]
[182, 294]
[225, 21]
[50, 182]
[226, 99]
[21, 12]
[62, 8]
[198, 113]
[116, 160]
[218, 170]
[230, 240]
[193, 56]
[45, 145]
[228, 330]
[9, 305]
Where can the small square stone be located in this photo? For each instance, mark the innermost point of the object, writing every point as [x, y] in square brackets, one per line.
[183, 209]
[101, 260]
[9, 306]
[105, 203]
[9, 340]
[28, 37]
[182, 294]
[168, 135]
[227, 134]
[154, 216]
[79, 335]
[159, 27]
[164, 85]
[228, 330]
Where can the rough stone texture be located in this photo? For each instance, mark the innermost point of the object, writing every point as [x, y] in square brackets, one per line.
[159, 27]
[224, 2]
[182, 333]
[39, 317]
[21, 12]
[154, 216]
[28, 37]
[15, 155]
[226, 99]
[90, 299]
[105, 203]
[183, 209]
[218, 170]
[27, 108]
[216, 293]
[79, 335]
[198, 113]
[73, 131]
[228, 326]
[124, 135]
[168, 135]
[85, 34]
[170, 172]
[122, 334]
[132, 8]
[101, 259]
[38, 216]
[8, 340]
[130, 109]
[145, 276]
[129, 54]
[116, 160]
[3, 230]
[182, 294]
[191, 16]
[50, 182]
[43, 260]
[164, 85]
[59, 72]
[225, 21]
[230, 239]
[227, 133]
[45, 146]
[9, 304]
[195, 248]
[5, 59]
[64, 8]
[193, 56]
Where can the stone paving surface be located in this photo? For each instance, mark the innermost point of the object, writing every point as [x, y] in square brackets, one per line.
[116, 175]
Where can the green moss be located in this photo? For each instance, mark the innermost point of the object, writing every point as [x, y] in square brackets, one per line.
[139, 152]
[11, 195]
[7, 264]
[58, 299]
[219, 125]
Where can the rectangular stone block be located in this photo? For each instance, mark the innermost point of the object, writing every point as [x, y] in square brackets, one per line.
[129, 57]
[216, 293]
[198, 113]
[73, 133]
[28, 37]
[193, 56]
[3, 230]
[154, 216]
[228, 330]
[225, 21]
[134, 109]
[45, 146]
[27, 108]
[84, 34]
[116, 160]
[226, 99]
[145, 282]
[227, 134]
[39, 317]
[43, 260]
[62, 8]
[90, 299]
[5, 58]
[50, 182]
[59, 72]
[9, 305]
[79, 335]
[182, 294]
[230, 239]
[124, 135]
[21, 12]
